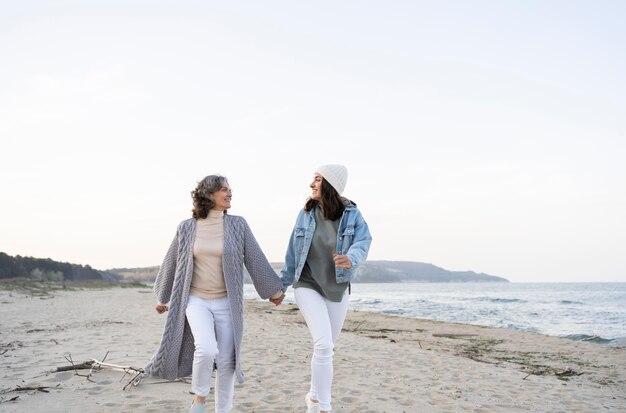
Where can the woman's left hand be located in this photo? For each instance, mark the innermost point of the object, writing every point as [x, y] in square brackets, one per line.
[278, 300]
[342, 261]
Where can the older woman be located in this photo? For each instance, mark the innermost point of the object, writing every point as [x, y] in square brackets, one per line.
[201, 284]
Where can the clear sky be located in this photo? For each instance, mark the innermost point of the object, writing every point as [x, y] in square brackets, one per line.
[479, 135]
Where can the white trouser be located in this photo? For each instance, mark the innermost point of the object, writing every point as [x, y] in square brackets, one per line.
[324, 319]
[212, 330]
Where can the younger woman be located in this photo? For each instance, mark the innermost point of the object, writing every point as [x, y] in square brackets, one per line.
[329, 241]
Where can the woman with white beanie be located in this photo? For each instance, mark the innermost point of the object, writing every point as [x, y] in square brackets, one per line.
[329, 241]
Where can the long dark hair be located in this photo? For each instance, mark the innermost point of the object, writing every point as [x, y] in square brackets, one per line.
[332, 202]
[200, 196]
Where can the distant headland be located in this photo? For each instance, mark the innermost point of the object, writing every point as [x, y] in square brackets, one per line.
[45, 269]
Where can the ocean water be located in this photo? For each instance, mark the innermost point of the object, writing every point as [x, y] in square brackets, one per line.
[579, 311]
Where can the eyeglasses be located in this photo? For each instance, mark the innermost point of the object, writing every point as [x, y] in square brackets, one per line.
[226, 190]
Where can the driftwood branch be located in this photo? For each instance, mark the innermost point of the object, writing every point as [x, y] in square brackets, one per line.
[81, 366]
[12, 399]
[136, 374]
[87, 376]
[20, 388]
[27, 388]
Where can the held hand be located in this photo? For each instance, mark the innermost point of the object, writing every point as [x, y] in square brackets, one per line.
[342, 261]
[278, 300]
[160, 308]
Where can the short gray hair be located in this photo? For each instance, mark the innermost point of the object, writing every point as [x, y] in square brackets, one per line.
[200, 196]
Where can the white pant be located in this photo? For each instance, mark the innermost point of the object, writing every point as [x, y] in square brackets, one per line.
[324, 319]
[212, 330]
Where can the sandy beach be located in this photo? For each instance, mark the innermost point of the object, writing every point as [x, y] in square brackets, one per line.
[382, 363]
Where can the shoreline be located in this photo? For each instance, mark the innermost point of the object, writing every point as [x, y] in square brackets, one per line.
[399, 364]
[616, 342]
[575, 313]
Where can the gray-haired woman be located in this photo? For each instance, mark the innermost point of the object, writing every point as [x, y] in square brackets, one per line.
[201, 284]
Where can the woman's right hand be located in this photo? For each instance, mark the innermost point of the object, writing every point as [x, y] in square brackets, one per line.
[161, 308]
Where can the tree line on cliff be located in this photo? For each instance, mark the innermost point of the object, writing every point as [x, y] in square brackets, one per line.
[45, 269]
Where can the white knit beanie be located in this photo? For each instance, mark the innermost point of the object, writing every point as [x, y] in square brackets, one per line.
[336, 175]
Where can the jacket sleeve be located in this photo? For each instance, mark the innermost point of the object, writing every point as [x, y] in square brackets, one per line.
[357, 253]
[264, 278]
[288, 272]
[165, 276]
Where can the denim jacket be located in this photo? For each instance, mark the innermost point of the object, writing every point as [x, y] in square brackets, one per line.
[353, 240]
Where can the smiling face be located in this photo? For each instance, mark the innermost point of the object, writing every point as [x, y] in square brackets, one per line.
[316, 187]
[222, 197]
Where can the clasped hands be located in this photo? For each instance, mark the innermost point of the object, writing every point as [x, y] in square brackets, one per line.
[277, 298]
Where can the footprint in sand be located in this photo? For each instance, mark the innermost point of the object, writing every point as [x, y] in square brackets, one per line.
[272, 397]
[95, 390]
[249, 406]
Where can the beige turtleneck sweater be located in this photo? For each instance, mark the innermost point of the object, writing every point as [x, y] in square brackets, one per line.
[208, 273]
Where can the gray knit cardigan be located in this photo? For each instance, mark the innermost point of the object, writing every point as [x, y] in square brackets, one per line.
[174, 357]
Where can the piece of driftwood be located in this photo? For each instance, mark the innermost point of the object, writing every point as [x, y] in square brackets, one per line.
[21, 388]
[77, 367]
[136, 374]
[81, 366]
[12, 399]
[26, 388]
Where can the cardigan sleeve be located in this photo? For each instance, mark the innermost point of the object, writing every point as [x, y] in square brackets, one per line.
[264, 278]
[165, 276]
